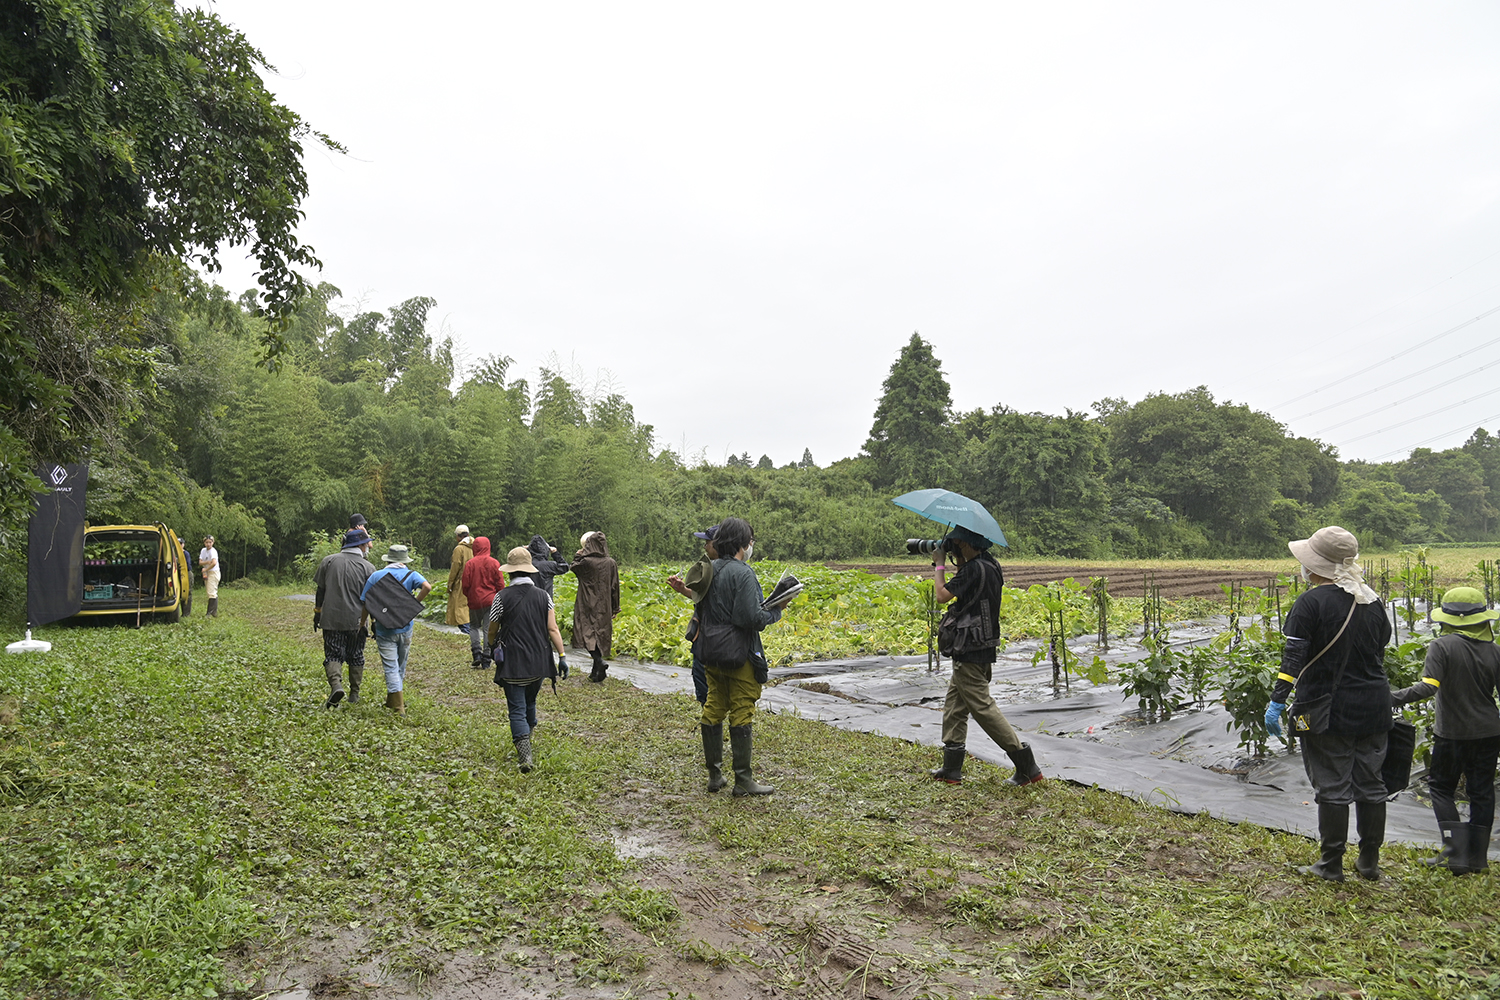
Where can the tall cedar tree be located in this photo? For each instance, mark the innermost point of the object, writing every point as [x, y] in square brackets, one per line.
[911, 441]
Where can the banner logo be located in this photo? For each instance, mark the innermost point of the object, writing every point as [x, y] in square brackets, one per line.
[59, 475]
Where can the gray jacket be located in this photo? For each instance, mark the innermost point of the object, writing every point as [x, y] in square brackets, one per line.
[341, 579]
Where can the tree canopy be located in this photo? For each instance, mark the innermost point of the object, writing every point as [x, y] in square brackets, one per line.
[134, 139]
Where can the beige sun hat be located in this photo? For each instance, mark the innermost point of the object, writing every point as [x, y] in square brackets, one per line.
[518, 560]
[1326, 550]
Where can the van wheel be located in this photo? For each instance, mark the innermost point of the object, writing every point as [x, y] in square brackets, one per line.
[174, 616]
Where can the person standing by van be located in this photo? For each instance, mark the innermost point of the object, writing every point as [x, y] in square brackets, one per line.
[208, 565]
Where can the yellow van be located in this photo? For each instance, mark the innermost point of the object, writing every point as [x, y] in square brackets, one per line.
[135, 569]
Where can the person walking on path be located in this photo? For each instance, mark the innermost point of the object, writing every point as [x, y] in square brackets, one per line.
[731, 617]
[976, 588]
[208, 565]
[394, 644]
[458, 606]
[1462, 672]
[597, 601]
[338, 609]
[482, 579]
[523, 633]
[544, 558]
[699, 576]
[1334, 657]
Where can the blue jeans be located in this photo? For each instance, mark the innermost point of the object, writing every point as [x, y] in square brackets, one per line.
[393, 650]
[700, 681]
[520, 699]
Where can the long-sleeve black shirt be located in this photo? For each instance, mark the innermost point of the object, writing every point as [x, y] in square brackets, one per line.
[1362, 700]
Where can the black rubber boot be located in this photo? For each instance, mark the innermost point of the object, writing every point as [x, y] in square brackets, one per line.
[356, 678]
[213, 607]
[335, 673]
[952, 770]
[1457, 847]
[1333, 835]
[600, 667]
[1369, 819]
[523, 753]
[1027, 773]
[741, 743]
[713, 755]
[1479, 848]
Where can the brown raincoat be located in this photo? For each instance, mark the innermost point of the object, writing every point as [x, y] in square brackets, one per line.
[598, 599]
[458, 606]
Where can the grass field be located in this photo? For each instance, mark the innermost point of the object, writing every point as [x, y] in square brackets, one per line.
[179, 817]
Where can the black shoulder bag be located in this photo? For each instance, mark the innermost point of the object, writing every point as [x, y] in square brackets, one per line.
[391, 604]
[971, 631]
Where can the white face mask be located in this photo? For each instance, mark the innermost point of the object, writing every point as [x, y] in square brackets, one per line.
[749, 551]
[1306, 576]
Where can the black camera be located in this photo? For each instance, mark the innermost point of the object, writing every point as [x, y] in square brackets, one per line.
[925, 546]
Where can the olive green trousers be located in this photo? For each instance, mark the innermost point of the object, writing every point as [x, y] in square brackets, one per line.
[732, 693]
[969, 695]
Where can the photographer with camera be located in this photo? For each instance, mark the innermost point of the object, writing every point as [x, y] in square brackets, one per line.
[969, 633]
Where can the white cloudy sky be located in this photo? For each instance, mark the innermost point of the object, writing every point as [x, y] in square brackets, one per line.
[1069, 200]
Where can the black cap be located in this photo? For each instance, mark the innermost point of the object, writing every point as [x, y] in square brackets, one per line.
[356, 520]
[974, 538]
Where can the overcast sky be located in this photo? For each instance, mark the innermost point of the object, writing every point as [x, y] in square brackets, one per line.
[1070, 201]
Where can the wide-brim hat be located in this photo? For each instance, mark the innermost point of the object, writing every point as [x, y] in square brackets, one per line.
[355, 537]
[396, 554]
[1464, 606]
[1326, 550]
[518, 560]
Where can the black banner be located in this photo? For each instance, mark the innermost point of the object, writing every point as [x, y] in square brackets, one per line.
[54, 557]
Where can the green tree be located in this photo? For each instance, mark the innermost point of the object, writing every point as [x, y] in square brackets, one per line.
[1041, 476]
[1218, 464]
[1381, 513]
[911, 443]
[127, 132]
[1458, 477]
[1485, 448]
[1309, 471]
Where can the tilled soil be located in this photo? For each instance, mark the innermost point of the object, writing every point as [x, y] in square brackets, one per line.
[1123, 581]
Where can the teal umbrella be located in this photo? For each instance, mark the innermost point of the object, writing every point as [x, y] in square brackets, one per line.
[952, 509]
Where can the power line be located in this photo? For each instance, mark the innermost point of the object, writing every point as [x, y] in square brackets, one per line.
[1393, 357]
[1396, 381]
[1416, 395]
[1432, 413]
[1439, 437]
